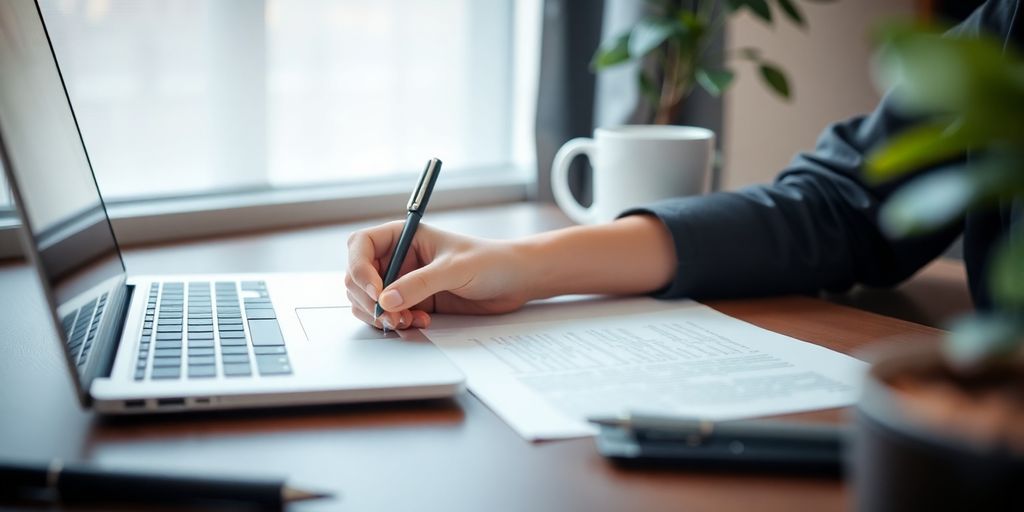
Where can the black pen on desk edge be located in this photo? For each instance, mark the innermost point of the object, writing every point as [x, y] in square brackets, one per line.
[80, 484]
[416, 208]
[697, 431]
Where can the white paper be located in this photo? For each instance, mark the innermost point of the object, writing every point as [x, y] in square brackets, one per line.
[546, 369]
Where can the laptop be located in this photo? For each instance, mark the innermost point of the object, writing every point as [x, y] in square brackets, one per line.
[143, 344]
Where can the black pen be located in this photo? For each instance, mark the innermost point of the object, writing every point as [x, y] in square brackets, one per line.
[738, 444]
[417, 207]
[77, 484]
[761, 431]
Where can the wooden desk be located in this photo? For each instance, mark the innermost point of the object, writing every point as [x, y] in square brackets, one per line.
[443, 455]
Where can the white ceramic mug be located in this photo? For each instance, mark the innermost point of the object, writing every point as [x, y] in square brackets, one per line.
[633, 166]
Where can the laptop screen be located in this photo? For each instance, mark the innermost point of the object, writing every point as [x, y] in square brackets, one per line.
[50, 171]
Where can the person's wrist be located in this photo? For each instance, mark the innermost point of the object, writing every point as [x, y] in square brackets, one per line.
[534, 257]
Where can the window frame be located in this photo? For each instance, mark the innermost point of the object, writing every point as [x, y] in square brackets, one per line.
[145, 221]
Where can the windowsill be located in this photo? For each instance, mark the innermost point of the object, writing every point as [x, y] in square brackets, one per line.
[169, 219]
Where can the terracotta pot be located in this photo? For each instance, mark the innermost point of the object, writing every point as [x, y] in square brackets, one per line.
[905, 460]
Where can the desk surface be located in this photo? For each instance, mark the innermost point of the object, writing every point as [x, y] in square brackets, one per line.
[444, 455]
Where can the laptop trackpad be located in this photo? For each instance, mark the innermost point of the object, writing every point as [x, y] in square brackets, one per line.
[335, 324]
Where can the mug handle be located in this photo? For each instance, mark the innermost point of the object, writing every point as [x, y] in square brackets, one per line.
[560, 178]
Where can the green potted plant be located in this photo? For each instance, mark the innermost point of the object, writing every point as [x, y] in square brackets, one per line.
[674, 42]
[942, 427]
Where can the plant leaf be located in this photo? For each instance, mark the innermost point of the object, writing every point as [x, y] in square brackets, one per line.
[647, 87]
[928, 202]
[1006, 276]
[978, 338]
[715, 81]
[648, 34]
[792, 12]
[917, 148]
[758, 8]
[775, 78]
[615, 51]
[750, 53]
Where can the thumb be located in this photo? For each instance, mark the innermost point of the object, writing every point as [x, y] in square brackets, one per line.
[418, 285]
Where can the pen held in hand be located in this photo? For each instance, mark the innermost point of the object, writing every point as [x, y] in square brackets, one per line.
[416, 207]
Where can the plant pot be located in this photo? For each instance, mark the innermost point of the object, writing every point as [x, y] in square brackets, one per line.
[929, 438]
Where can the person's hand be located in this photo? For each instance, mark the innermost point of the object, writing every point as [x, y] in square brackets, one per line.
[442, 273]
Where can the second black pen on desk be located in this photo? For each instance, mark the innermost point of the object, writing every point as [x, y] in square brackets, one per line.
[416, 208]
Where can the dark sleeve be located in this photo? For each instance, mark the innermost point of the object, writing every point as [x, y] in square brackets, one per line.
[815, 228]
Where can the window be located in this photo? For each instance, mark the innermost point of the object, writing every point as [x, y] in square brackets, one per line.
[185, 97]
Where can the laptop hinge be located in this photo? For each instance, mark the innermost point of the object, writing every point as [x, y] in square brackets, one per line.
[103, 363]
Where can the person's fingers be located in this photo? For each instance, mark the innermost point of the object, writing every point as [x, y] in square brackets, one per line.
[366, 248]
[359, 300]
[362, 309]
[365, 317]
[419, 284]
[420, 319]
[365, 279]
[404, 320]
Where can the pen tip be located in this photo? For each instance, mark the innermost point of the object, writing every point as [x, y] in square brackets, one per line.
[289, 494]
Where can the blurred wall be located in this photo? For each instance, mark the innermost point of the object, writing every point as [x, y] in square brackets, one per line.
[828, 68]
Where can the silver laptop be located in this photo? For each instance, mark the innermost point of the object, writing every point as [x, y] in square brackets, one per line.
[138, 344]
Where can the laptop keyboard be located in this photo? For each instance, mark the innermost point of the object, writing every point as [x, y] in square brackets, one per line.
[210, 330]
[80, 327]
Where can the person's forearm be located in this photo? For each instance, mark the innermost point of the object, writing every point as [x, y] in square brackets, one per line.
[630, 256]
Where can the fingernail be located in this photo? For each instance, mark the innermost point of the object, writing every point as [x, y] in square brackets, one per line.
[401, 321]
[371, 291]
[390, 299]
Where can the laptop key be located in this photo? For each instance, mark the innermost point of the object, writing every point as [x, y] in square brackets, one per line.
[196, 351]
[140, 374]
[233, 342]
[168, 336]
[169, 372]
[230, 327]
[200, 321]
[273, 365]
[168, 344]
[160, 327]
[200, 344]
[234, 358]
[232, 334]
[167, 352]
[260, 314]
[265, 351]
[201, 360]
[237, 370]
[241, 349]
[200, 328]
[206, 371]
[161, 362]
[265, 332]
[200, 335]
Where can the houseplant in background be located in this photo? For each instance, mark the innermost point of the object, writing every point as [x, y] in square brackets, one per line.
[674, 43]
[943, 426]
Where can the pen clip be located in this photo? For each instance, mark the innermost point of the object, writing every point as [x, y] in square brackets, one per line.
[422, 191]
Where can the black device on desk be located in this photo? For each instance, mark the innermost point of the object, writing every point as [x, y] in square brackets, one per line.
[751, 445]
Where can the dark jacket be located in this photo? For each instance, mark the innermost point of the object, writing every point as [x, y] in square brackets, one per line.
[816, 227]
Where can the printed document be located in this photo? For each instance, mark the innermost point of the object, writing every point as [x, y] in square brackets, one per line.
[546, 369]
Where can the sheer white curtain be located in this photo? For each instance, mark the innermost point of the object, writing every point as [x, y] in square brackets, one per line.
[178, 97]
